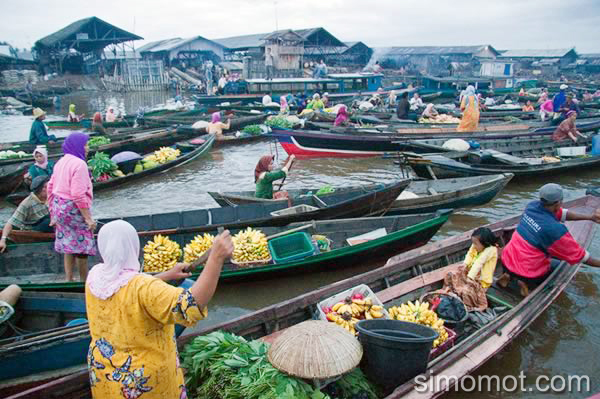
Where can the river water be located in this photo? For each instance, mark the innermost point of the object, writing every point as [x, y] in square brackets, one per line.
[564, 340]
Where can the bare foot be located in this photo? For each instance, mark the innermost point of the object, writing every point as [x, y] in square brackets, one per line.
[524, 288]
[503, 280]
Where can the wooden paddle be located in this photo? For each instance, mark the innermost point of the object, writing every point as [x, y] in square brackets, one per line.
[285, 177]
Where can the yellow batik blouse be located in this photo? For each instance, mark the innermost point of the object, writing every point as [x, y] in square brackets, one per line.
[482, 263]
[133, 353]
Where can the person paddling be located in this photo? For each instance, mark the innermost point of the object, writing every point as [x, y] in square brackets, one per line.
[264, 176]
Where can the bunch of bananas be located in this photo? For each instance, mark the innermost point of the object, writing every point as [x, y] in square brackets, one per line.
[250, 245]
[163, 155]
[352, 309]
[344, 320]
[161, 254]
[420, 313]
[195, 248]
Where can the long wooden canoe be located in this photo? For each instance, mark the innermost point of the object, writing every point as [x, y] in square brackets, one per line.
[189, 152]
[39, 267]
[430, 195]
[428, 166]
[403, 278]
[375, 202]
[307, 143]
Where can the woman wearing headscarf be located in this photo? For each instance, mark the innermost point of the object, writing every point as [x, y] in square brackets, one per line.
[392, 98]
[264, 176]
[470, 107]
[430, 111]
[97, 125]
[342, 116]
[73, 117]
[316, 104]
[110, 115]
[216, 126]
[132, 315]
[284, 108]
[70, 204]
[567, 128]
[42, 166]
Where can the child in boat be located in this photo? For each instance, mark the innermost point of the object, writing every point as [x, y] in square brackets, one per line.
[476, 274]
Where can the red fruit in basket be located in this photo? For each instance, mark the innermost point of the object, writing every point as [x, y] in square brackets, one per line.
[326, 309]
[358, 296]
[331, 316]
[435, 302]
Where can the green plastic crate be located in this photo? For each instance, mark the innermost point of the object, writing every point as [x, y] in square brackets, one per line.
[291, 247]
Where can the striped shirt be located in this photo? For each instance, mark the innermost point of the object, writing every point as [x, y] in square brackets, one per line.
[30, 211]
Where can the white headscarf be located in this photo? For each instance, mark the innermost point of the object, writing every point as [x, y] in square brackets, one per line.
[119, 246]
[470, 91]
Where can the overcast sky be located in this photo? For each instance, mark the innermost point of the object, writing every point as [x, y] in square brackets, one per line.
[505, 24]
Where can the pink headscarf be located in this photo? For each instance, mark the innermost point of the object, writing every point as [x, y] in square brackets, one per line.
[342, 116]
[119, 247]
[284, 103]
[44, 152]
[216, 117]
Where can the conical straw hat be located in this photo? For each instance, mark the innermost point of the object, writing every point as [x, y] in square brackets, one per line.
[315, 349]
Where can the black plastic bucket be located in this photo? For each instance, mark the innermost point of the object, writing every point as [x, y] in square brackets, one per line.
[394, 351]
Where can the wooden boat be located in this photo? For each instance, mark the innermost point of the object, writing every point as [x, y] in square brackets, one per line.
[309, 143]
[239, 121]
[495, 162]
[189, 152]
[401, 234]
[11, 177]
[46, 348]
[521, 146]
[35, 100]
[432, 194]
[128, 121]
[137, 140]
[404, 277]
[336, 206]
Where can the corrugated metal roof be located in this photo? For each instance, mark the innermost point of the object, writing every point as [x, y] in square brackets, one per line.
[79, 26]
[171, 44]
[590, 55]
[242, 42]
[438, 50]
[553, 53]
[256, 40]
[325, 50]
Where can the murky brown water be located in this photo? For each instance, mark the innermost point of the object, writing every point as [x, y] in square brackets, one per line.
[563, 340]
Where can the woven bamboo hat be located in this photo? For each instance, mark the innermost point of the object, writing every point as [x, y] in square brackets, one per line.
[315, 349]
[37, 112]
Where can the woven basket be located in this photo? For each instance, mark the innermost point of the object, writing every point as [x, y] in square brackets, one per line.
[315, 349]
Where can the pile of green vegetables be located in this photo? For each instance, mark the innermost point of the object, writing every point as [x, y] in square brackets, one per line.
[253, 130]
[13, 155]
[280, 122]
[98, 141]
[226, 366]
[101, 166]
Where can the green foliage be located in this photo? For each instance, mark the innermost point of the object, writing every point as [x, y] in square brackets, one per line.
[223, 365]
[226, 366]
[96, 141]
[101, 164]
[254, 130]
[279, 122]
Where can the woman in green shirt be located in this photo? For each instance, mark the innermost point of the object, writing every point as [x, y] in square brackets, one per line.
[264, 176]
[41, 167]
